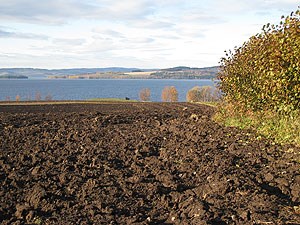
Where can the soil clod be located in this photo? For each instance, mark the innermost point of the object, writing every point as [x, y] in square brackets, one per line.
[140, 163]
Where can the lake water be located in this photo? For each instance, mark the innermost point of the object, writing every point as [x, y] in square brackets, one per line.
[86, 89]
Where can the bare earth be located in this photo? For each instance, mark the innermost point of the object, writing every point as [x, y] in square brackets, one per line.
[140, 163]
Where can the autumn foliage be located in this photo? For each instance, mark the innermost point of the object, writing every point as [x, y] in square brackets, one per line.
[18, 98]
[145, 94]
[202, 94]
[169, 94]
[264, 74]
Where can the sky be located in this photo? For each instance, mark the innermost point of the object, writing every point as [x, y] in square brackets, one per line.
[55, 34]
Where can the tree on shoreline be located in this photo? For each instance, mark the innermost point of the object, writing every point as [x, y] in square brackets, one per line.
[38, 96]
[145, 95]
[48, 97]
[169, 94]
[203, 94]
[18, 98]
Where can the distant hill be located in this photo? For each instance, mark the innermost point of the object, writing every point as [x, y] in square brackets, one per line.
[180, 72]
[183, 72]
[177, 68]
[32, 72]
[185, 68]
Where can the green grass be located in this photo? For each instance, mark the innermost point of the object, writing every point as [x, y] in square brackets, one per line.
[58, 102]
[110, 100]
[283, 129]
[212, 104]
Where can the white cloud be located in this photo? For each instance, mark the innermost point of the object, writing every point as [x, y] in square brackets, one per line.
[20, 35]
[63, 11]
[68, 41]
[135, 33]
[153, 24]
[48, 12]
[105, 32]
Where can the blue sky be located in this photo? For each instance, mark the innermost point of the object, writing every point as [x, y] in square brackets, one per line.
[129, 33]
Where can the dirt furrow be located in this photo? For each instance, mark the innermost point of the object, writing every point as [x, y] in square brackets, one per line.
[140, 163]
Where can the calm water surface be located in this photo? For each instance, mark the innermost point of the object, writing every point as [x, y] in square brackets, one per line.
[86, 89]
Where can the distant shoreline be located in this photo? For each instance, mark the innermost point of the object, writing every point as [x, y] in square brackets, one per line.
[13, 77]
[180, 72]
[161, 74]
[128, 78]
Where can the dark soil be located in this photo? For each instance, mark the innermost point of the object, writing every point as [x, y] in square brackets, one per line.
[140, 163]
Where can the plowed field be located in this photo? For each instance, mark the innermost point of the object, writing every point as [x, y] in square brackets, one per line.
[140, 163]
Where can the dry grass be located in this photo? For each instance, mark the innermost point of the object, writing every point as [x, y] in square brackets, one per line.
[139, 74]
[283, 129]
